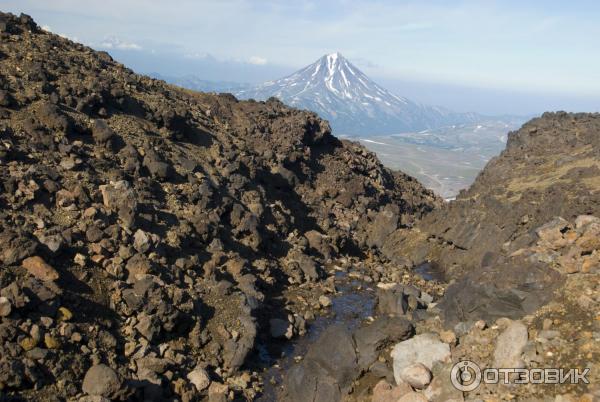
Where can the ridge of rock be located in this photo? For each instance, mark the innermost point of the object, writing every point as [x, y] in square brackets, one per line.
[175, 221]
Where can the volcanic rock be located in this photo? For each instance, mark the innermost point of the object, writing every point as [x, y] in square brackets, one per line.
[101, 380]
[37, 267]
[139, 194]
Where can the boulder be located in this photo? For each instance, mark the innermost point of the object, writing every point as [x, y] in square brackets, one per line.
[319, 243]
[119, 197]
[141, 241]
[235, 351]
[14, 247]
[441, 388]
[413, 397]
[417, 375]
[385, 222]
[101, 132]
[101, 380]
[383, 332]
[280, 328]
[5, 306]
[325, 301]
[385, 392]
[38, 268]
[392, 301]
[510, 345]
[327, 370]
[218, 392]
[584, 220]
[199, 378]
[426, 349]
[306, 264]
[511, 288]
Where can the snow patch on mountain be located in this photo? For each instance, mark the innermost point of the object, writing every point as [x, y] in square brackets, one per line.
[354, 104]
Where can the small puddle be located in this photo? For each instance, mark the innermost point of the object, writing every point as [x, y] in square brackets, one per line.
[351, 305]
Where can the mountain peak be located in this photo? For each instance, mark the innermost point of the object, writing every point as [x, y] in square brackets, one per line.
[337, 90]
[334, 56]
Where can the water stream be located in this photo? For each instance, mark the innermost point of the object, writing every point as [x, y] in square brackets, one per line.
[353, 303]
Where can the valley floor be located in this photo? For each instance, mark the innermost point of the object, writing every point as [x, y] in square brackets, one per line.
[445, 160]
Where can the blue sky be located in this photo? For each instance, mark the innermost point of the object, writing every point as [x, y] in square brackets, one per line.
[461, 54]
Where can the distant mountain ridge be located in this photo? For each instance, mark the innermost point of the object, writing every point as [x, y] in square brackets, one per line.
[339, 92]
[197, 84]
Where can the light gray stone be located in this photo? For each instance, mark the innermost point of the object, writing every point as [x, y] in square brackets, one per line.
[425, 348]
[510, 345]
[199, 377]
[141, 241]
[417, 375]
[5, 307]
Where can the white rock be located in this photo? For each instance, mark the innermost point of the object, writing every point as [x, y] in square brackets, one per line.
[199, 377]
[141, 241]
[426, 349]
[324, 301]
[5, 306]
[510, 345]
[583, 220]
[417, 375]
[386, 286]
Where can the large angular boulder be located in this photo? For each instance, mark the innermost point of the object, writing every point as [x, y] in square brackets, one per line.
[328, 369]
[426, 349]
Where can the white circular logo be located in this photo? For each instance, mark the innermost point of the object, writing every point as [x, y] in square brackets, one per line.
[465, 376]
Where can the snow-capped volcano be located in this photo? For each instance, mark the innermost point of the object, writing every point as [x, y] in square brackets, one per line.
[353, 103]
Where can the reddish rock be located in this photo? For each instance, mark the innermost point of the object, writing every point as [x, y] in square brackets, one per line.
[416, 375]
[37, 267]
[385, 392]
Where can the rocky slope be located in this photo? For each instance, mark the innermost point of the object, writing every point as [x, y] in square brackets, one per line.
[564, 333]
[148, 233]
[550, 168]
[156, 243]
[408, 349]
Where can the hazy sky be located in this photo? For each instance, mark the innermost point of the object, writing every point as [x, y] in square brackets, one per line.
[546, 53]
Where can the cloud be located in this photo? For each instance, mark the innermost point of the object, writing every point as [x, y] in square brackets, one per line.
[112, 42]
[257, 60]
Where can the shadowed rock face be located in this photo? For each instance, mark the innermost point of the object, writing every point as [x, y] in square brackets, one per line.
[173, 219]
[551, 167]
[338, 357]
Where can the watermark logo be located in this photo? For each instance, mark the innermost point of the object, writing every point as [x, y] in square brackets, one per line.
[466, 376]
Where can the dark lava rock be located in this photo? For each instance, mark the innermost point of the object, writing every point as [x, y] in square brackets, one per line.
[378, 335]
[328, 369]
[15, 247]
[101, 132]
[506, 289]
[392, 301]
